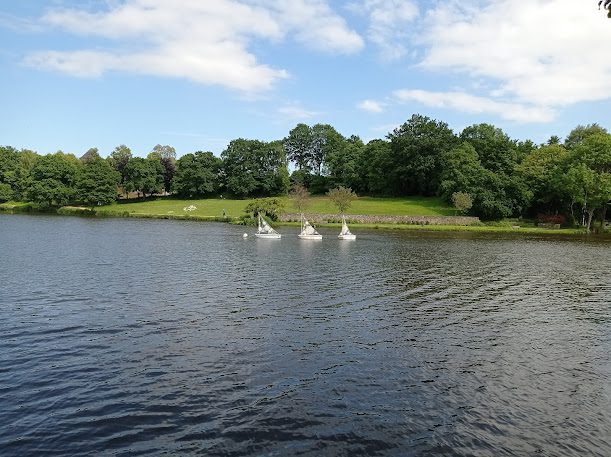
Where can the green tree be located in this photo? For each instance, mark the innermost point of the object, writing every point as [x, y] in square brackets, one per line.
[52, 179]
[585, 177]
[342, 162]
[342, 198]
[373, 166]
[6, 192]
[417, 147]
[309, 146]
[271, 206]
[462, 201]
[539, 169]
[581, 132]
[91, 154]
[167, 157]
[255, 168]
[9, 172]
[15, 169]
[300, 197]
[96, 182]
[463, 172]
[143, 175]
[119, 158]
[197, 174]
[595, 153]
[495, 150]
[297, 146]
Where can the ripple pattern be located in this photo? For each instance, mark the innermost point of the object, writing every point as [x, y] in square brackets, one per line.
[127, 337]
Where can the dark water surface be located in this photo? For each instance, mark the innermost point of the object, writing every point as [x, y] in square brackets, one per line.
[134, 337]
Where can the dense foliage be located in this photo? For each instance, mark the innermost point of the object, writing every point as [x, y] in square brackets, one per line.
[481, 170]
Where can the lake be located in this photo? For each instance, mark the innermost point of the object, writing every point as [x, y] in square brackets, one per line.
[144, 337]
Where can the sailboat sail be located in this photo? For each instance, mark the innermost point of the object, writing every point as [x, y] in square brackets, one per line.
[345, 229]
[307, 231]
[345, 234]
[265, 229]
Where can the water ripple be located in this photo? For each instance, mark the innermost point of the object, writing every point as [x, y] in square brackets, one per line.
[153, 337]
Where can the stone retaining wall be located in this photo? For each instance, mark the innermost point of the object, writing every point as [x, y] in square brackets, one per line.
[360, 219]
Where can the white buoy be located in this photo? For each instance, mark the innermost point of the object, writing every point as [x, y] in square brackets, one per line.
[245, 235]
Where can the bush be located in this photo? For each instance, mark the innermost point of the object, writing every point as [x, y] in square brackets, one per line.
[271, 207]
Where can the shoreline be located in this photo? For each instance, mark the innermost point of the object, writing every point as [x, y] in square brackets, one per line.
[27, 208]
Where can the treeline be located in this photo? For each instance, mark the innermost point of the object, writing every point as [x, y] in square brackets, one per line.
[499, 177]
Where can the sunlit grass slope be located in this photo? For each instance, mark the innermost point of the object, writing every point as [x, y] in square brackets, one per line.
[216, 207]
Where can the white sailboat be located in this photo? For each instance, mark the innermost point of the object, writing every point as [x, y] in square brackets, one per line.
[307, 231]
[345, 234]
[265, 230]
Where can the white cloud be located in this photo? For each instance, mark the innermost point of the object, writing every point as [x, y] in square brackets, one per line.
[544, 52]
[468, 103]
[526, 60]
[204, 41]
[389, 22]
[371, 106]
[314, 25]
[296, 112]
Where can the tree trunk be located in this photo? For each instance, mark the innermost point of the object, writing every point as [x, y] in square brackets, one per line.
[590, 215]
[603, 218]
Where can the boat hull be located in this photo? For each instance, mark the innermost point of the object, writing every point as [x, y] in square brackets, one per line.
[268, 236]
[347, 237]
[310, 237]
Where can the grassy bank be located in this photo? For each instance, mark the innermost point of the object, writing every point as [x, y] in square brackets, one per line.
[225, 210]
[216, 207]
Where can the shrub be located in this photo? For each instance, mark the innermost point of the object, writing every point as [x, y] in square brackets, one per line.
[272, 207]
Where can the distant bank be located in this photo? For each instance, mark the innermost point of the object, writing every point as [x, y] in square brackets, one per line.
[419, 213]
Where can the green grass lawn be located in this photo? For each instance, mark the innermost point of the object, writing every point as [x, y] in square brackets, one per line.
[213, 207]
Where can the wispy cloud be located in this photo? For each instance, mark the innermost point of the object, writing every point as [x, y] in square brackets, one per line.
[19, 24]
[472, 104]
[296, 112]
[533, 50]
[389, 24]
[371, 106]
[206, 42]
[516, 70]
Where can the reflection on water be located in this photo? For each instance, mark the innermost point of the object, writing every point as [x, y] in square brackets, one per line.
[136, 337]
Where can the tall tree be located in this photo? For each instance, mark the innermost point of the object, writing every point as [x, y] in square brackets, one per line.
[96, 182]
[309, 146]
[119, 158]
[52, 180]
[342, 162]
[417, 147]
[581, 132]
[495, 150]
[298, 146]
[143, 175]
[463, 172]
[9, 172]
[255, 168]
[539, 169]
[595, 152]
[197, 174]
[167, 156]
[374, 164]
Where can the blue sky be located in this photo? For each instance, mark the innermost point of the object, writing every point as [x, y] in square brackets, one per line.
[195, 74]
